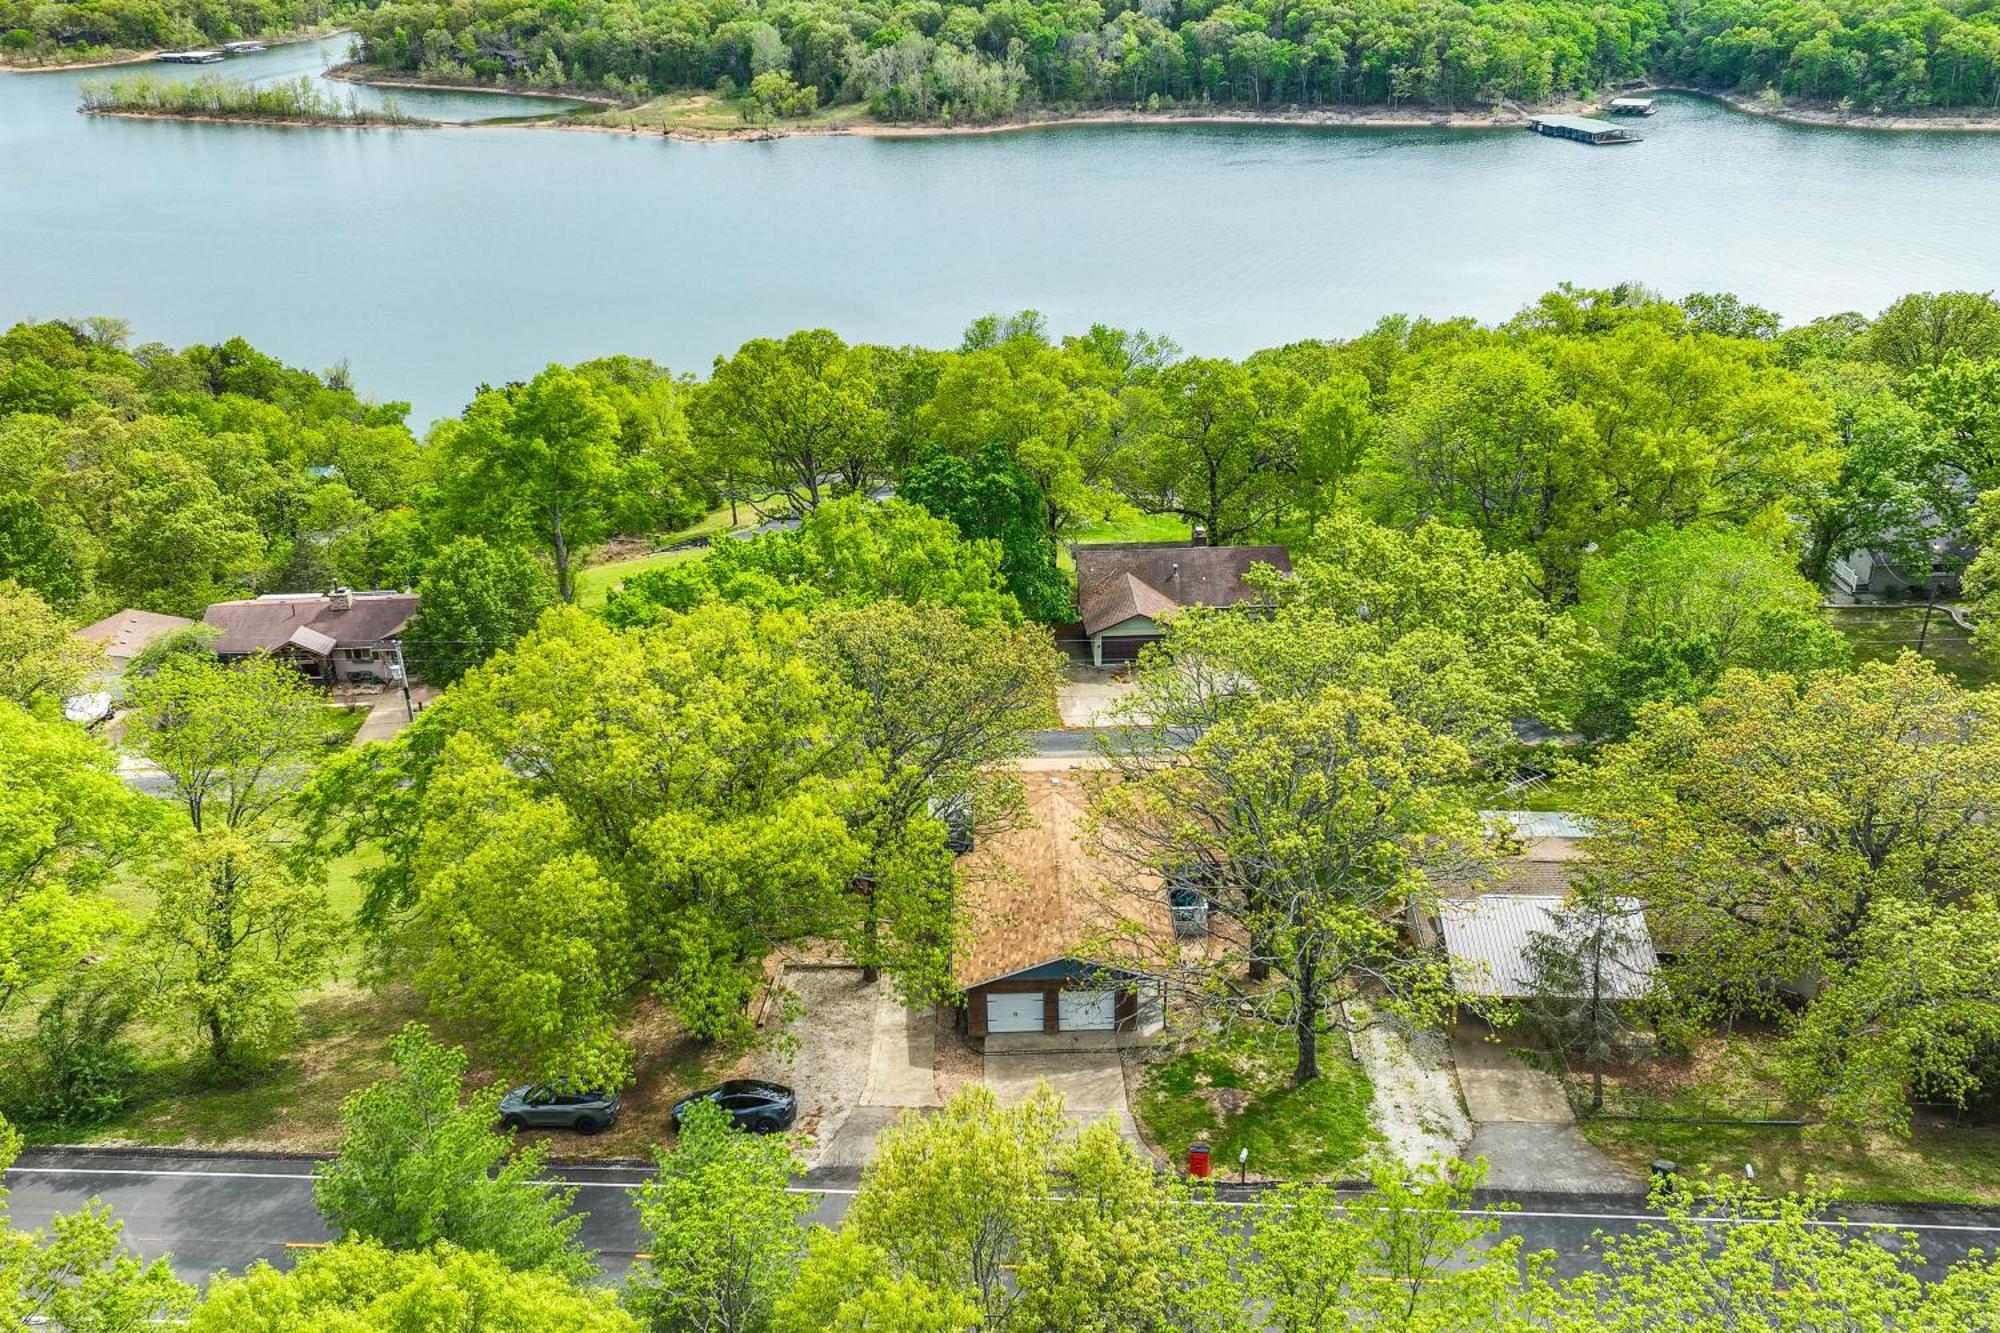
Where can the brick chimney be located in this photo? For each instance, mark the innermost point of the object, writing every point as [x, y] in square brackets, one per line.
[339, 599]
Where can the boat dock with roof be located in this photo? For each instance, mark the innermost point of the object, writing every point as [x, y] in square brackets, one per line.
[1582, 129]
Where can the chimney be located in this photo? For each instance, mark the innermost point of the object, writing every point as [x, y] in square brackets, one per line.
[339, 599]
[1200, 537]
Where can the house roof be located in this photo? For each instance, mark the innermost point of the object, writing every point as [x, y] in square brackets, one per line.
[1487, 938]
[309, 621]
[1529, 825]
[1118, 581]
[1042, 893]
[126, 633]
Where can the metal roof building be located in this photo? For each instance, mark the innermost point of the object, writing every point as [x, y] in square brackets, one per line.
[1487, 940]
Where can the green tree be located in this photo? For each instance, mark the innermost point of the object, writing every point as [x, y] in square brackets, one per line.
[944, 704]
[41, 662]
[783, 421]
[848, 551]
[362, 1287]
[1212, 450]
[77, 1274]
[420, 1164]
[993, 498]
[724, 1239]
[535, 463]
[1582, 983]
[844, 1286]
[476, 599]
[1829, 834]
[1925, 329]
[240, 929]
[67, 826]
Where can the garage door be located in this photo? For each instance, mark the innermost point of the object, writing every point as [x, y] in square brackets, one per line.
[1087, 1010]
[1014, 1011]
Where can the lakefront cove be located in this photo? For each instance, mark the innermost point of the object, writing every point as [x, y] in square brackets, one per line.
[432, 262]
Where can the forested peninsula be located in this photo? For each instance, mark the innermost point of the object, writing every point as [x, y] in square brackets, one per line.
[997, 60]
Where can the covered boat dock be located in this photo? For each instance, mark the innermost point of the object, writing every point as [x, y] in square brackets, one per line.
[1582, 129]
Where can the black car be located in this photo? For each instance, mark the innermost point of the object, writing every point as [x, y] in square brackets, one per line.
[752, 1104]
[541, 1106]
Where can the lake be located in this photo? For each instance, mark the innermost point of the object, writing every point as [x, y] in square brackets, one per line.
[431, 260]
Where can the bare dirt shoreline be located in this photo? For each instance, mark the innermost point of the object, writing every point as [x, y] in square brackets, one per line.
[144, 57]
[1948, 123]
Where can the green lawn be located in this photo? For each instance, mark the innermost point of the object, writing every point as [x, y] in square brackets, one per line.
[1139, 528]
[1878, 635]
[1737, 1077]
[594, 583]
[1234, 1090]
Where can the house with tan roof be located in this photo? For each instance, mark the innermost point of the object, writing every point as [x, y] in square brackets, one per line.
[335, 637]
[125, 634]
[1126, 591]
[1056, 942]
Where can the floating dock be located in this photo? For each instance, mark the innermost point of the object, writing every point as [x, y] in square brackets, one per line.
[1582, 129]
[242, 48]
[1633, 106]
[190, 57]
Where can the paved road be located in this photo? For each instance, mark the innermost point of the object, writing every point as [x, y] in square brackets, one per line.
[211, 1213]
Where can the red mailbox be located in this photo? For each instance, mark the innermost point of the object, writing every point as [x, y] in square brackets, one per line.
[1198, 1158]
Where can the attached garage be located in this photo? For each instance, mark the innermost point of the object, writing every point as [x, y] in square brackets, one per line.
[1086, 1010]
[1015, 1011]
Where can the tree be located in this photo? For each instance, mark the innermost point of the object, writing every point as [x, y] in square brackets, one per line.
[476, 599]
[847, 552]
[786, 421]
[363, 1287]
[1924, 329]
[950, 1197]
[41, 663]
[1410, 1254]
[943, 705]
[536, 463]
[1723, 598]
[1579, 972]
[77, 1275]
[723, 1229]
[1315, 825]
[240, 929]
[67, 825]
[993, 498]
[418, 1167]
[706, 767]
[1885, 493]
[844, 1285]
[1212, 452]
[1830, 835]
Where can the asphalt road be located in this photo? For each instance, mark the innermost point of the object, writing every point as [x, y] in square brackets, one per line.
[212, 1213]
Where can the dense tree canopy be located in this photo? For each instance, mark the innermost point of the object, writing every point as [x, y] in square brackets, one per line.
[991, 57]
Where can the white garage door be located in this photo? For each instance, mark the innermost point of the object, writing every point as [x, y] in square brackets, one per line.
[1087, 1010]
[1014, 1011]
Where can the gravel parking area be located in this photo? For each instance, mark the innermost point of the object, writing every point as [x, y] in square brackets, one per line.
[824, 1055]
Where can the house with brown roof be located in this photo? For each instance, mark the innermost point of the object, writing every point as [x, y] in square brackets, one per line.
[1126, 591]
[125, 634]
[1054, 941]
[335, 637]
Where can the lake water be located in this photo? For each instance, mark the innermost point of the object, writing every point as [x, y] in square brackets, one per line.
[433, 260]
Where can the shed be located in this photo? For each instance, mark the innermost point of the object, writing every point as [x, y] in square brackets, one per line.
[1487, 939]
[1052, 940]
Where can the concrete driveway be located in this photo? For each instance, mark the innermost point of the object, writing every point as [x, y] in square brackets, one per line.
[902, 1050]
[1524, 1128]
[1091, 1083]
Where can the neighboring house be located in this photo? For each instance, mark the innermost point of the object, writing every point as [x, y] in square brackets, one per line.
[1126, 590]
[334, 637]
[1873, 575]
[1486, 935]
[1051, 946]
[123, 636]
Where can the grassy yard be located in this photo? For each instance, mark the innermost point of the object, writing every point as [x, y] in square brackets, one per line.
[594, 583]
[1736, 1076]
[1880, 634]
[704, 113]
[1234, 1090]
[1139, 528]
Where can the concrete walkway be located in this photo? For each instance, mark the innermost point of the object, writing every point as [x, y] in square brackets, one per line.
[1524, 1128]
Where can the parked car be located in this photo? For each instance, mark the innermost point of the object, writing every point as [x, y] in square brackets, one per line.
[541, 1106]
[752, 1104]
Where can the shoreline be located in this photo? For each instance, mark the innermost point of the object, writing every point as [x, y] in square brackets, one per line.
[282, 122]
[1955, 122]
[368, 77]
[146, 57]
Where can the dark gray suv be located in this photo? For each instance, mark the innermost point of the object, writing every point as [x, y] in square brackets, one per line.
[541, 1106]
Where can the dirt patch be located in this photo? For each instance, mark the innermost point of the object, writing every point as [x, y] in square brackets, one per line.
[824, 1052]
[1415, 1106]
[959, 1062]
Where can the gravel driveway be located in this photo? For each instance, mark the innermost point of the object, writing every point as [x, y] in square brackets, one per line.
[824, 1056]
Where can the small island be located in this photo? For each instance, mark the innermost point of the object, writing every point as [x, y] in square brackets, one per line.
[293, 102]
